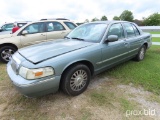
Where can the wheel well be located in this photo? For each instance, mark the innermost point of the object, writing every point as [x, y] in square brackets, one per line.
[87, 63]
[9, 44]
[146, 45]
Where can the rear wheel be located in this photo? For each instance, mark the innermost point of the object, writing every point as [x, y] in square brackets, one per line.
[76, 79]
[141, 54]
[6, 52]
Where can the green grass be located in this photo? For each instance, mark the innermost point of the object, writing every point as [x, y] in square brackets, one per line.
[102, 98]
[154, 32]
[85, 114]
[126, 105]
[3, 75]
[145, 73]
[156, 39]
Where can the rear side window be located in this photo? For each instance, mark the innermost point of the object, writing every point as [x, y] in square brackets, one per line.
[136, 30]
[129, 30]
[54, 26]
[70, 25]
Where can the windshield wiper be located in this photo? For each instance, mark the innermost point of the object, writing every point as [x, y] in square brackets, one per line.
[67, 37]
[78, 38]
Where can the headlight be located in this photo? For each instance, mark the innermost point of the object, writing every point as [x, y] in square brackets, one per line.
[35, 73]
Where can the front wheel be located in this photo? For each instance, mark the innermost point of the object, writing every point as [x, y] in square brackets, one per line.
[141, 54]
[76, 79]
[6, 52]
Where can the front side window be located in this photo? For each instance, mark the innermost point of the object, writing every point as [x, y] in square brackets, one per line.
[70, 25]
[35, 28]
[7, 27]
[54, 26]
[3, 28]
[116, 29]
[92, 32]
[129, 29]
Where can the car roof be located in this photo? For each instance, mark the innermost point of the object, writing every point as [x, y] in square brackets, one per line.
[49, 21]
[109, 22]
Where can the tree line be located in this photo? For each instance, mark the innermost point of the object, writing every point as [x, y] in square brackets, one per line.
[126, 15]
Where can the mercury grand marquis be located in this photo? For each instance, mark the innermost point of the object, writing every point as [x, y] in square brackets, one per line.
[70, 63]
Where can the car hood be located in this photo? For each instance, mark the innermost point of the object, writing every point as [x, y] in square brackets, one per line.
[5, 36]
[40, 52]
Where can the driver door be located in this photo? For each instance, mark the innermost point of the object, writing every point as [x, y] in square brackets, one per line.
[117, 51]
[36, 34]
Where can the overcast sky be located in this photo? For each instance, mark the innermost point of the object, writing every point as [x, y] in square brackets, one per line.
[76, 10]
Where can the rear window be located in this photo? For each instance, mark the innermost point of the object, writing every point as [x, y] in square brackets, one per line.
[70, 25]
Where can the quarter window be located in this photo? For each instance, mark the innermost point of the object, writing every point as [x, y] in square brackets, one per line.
[129, 30]
[70, 25]
[116, 29]
[54, 26]
[35, 28]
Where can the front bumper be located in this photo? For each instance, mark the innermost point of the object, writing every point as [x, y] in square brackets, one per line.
[34, 88]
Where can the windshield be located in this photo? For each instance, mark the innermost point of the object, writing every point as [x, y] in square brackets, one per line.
[92, 32]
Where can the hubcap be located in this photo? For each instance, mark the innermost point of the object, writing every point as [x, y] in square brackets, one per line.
[6, 54]
[142, 52]
[78, 80]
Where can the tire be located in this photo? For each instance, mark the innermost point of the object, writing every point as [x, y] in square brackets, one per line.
[141, 54]
[6, 52]
[76, 79]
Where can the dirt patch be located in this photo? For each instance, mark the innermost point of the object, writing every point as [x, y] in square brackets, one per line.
[139, 95]
[105, 99]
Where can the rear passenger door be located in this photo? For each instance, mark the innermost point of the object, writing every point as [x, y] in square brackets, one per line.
[55, 30]
[132, 37]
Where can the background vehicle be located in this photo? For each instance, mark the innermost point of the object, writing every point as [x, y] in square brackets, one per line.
[7, 27]
[33, 33]
[69, 63]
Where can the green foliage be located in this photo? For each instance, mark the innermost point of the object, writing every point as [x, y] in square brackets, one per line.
[86, 21]
[104, 18]
[152, 20]
[127, 16]
[95, 19]
[116, 18]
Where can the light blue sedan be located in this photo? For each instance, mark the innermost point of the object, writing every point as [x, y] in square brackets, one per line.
[69, 63]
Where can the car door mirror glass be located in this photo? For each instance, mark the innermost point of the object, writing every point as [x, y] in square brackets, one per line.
[112, 38]
[24, 32]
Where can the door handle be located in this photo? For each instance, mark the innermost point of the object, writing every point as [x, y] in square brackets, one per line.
[43, 34]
